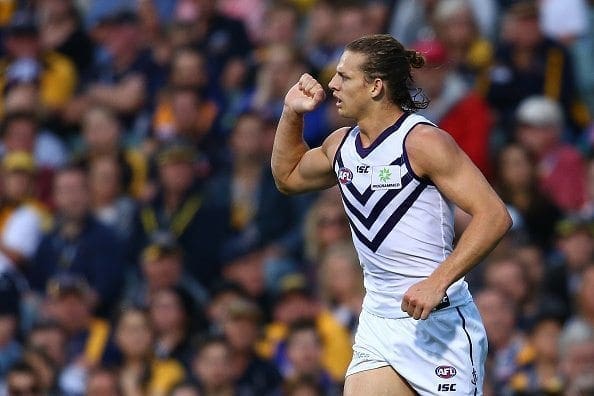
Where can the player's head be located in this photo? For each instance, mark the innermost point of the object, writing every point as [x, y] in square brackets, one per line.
[386, 59]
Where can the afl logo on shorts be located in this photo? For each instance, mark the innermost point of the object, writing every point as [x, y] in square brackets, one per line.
[445, 372]
[345, 175]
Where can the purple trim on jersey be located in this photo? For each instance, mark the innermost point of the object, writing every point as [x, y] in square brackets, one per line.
[392, 221]
[407, 161]
[379, 206]
[365, 151]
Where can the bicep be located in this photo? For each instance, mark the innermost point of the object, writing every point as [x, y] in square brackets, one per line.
[314, 171]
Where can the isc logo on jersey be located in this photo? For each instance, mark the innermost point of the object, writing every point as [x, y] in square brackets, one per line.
[345, 175]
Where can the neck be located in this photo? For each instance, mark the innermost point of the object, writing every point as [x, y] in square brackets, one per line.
[172, 199]
[372, 125]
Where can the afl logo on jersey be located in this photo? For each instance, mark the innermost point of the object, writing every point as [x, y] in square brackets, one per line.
[345, 175]
[445, 372]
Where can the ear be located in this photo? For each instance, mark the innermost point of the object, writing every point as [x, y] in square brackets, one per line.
[376, 88]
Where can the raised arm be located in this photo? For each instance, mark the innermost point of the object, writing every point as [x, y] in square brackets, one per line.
[296, 167]
[434, 154]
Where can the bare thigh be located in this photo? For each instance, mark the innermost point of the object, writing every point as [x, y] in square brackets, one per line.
[383, 381]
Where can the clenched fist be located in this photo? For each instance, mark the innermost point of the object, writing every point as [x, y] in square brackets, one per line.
[305, 95]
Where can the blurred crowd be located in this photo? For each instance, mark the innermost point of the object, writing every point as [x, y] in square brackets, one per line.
[144, 248]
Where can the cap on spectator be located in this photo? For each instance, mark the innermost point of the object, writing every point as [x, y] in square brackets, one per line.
[244, 309]
[523, 9]
[176, 151]
[572, 224]
[295, 283]
[539, 111]
[18, 161]
[432, 50]
[161, 244]
[67, 284]
[22, 24]
[9, 296]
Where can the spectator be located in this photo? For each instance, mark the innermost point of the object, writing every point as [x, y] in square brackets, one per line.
[140, 372]
[505, 341]
[527, 63]
[576, 345]
[183, 208]
[22, 380]
[242, 327]
[61, 30]
[340, 282]
[452, 100]
[304, 352]
[79, 244]
[223, 295]
[541, 373]
[468, 52]
[211, 367]
[102, 136]
[102, 382]
[303, 387]
[174, 318]
[51, 338]
[23, 217]
[294, 301]
[517, 184]
[45, 368]
[109, 203]
[27, 62]
[575, 242]
[185, 389]
[161, 266]
[560, 168]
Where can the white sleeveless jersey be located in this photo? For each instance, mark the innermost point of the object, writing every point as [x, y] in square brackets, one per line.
[402, 226]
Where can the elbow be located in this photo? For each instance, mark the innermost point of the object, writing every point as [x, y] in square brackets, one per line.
[282, 186]
[505, 220]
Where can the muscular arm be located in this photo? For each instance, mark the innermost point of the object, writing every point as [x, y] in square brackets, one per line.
[296, 167]
[435, 155]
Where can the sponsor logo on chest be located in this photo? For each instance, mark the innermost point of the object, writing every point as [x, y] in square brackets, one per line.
[385, 177]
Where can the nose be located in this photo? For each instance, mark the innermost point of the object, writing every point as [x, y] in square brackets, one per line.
[333, 83]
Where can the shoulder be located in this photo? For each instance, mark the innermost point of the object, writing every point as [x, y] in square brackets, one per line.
[333, 142]
[429, 148]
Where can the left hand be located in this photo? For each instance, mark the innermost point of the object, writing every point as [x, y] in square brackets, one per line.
[420, 299]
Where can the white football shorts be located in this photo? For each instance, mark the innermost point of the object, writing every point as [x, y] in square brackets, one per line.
[443, 355]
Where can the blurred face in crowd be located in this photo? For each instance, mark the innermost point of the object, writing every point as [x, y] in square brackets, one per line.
[8, 325]
[167, 313]
[186, 390]
[498, 317]
[17, 185]
[341, 276]
[102, 383]
[22, 97]
[321, 23]
[188, 69]
[351, 24]
[185, 105]
[218, 307]
[163, 271]
[515, 167]
[22, 383]
[578, 360]
[44, 368]
[248, 272]
[121, 39]
[176, 176]
[531, 258]
[537, 139]
[456, 28]
[304, 351]
[331, 225]
[104, 179]
[72, 311]
[577, 249]
[293, 306]
[20, 135]
[134, 335]
[280, 25]
[22, 45]
[246, 139]
[545, 338]
[241, 331]
[508, 277]
[524, 31]
[52, 340]
[211, 366]
[101, 130]
[71, 194]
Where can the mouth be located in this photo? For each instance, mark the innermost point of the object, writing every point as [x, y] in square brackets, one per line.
[338, 102]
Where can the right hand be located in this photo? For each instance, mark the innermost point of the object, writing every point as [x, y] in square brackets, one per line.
[305, 95]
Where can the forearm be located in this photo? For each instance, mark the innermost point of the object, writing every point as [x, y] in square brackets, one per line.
[483, 233]
[289, 146]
